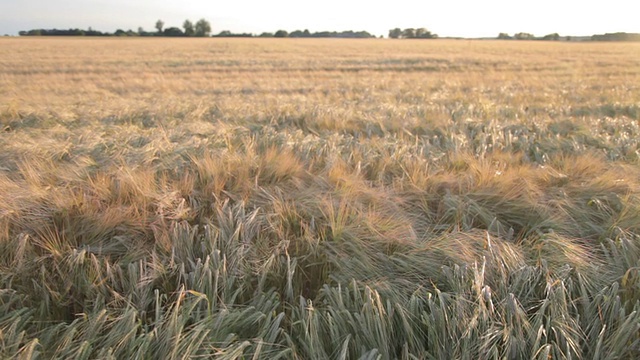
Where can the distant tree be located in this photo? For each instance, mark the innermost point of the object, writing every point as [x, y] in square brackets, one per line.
[409, 33]
[551, 37]
[395, 33]
[266, 34]
[120, 32]
[355, 34]
[173, 32]
[524, 36]
[281, 34]
[349, 34]
[227, 33]
[159, 26]
[504, 36]
[203, 28]
[189, 30]
[618, 36]
[141, 31]
[423, 33]
[92, 32]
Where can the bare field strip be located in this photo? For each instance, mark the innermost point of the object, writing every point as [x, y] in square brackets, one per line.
[319, 199]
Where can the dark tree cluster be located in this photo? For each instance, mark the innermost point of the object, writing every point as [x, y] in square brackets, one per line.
[524, 36]
[528, 36]
[227, 33]
[411, 33]
[202, 28]
[281, 34]
[620, 36]
[551, 37]
[63, 32]
[350, 34]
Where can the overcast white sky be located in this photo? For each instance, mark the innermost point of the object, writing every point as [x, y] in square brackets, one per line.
[466, 18]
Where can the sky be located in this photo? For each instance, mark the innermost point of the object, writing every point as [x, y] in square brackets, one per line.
[463, 18]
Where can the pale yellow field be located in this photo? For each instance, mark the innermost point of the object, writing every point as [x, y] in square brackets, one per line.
[333, 84]
[102, 77]
[316, 199]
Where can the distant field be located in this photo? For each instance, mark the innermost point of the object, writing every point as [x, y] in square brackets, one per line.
[319, 199]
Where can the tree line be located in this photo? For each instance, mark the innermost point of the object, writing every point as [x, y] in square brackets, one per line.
[321, 34]
[528, 36]
[411, 33]
[620, 36]
[202, 28]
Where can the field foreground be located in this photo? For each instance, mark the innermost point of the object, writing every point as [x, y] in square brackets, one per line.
[319, 199]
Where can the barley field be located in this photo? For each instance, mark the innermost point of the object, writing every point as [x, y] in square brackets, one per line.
[319, 199]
